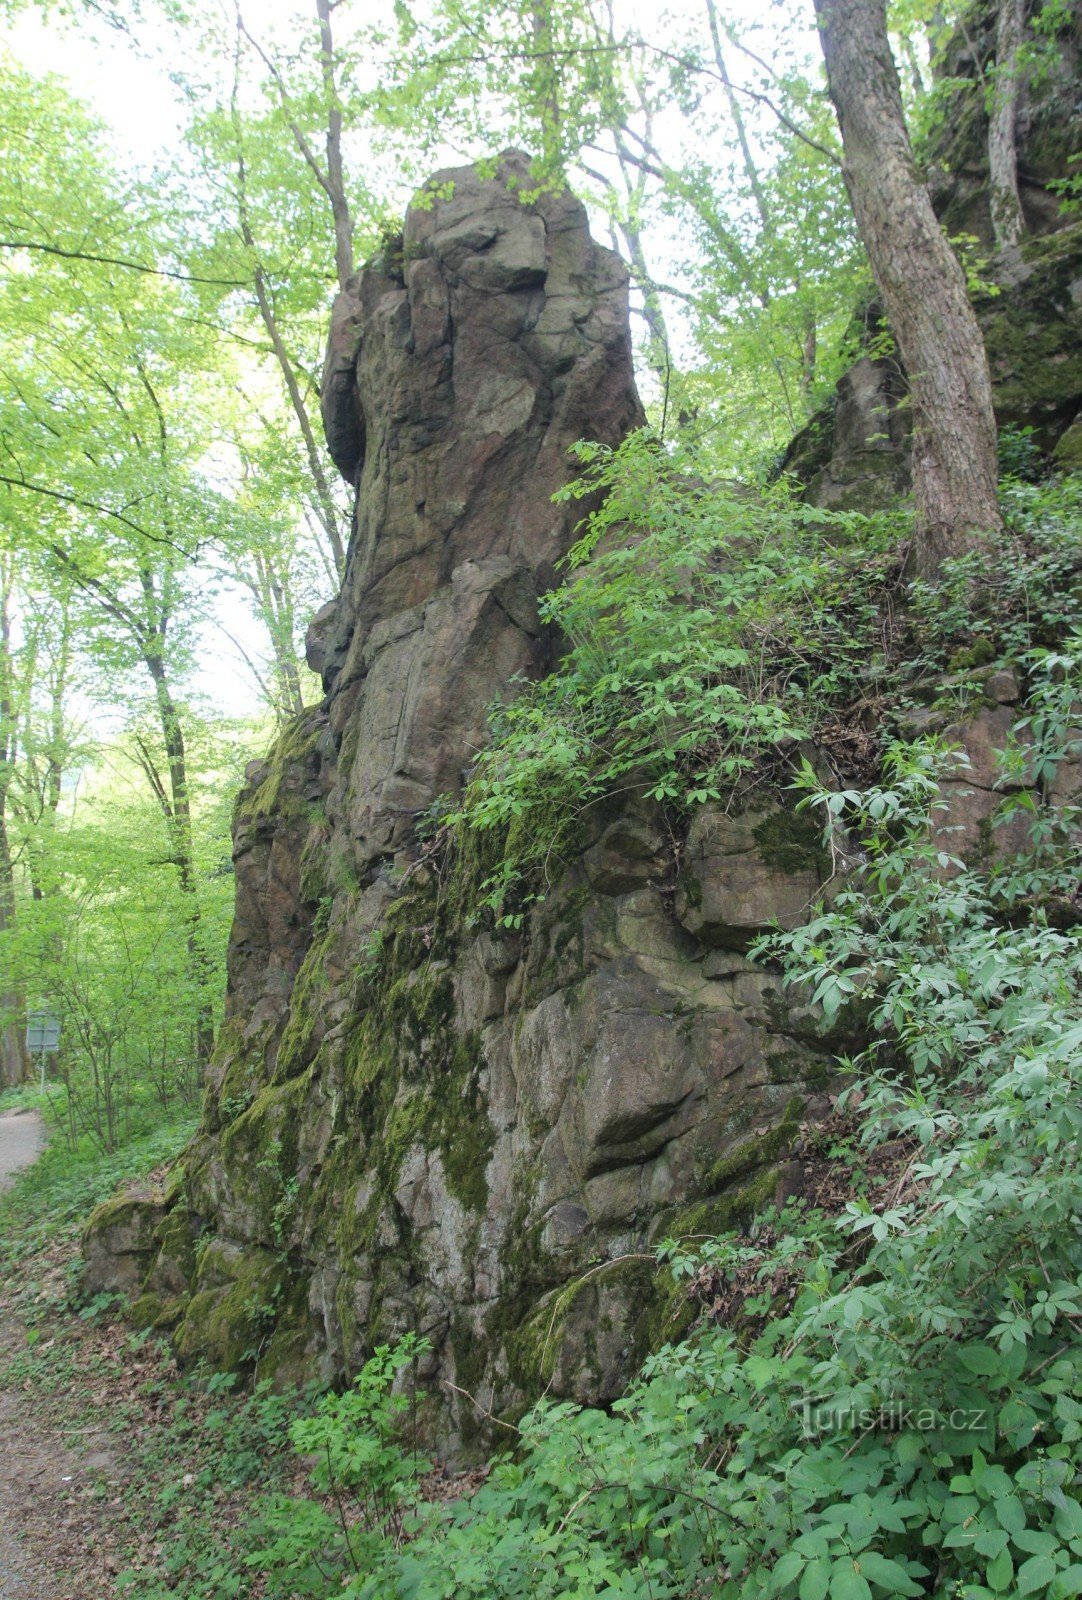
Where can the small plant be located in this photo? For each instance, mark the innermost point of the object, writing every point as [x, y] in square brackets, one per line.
[897, 1410]
[363, 1470]
[713, 636]
[1019, 456]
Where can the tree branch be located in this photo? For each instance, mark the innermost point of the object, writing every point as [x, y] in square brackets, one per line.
[118, 261]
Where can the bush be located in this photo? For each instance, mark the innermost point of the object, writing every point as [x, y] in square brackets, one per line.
[907, 1420]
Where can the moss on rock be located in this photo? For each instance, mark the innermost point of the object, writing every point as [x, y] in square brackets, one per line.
[228, 1324]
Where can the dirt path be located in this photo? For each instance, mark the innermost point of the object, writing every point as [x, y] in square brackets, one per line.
[42, 1483]
[22, 1138]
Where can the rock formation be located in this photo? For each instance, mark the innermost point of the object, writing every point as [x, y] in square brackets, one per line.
[413, 1123]
[416, 1121]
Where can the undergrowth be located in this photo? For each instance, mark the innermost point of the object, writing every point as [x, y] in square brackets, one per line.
[908, 1420]
[730, 626]
[56, 1195]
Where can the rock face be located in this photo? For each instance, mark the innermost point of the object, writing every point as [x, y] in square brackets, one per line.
[414, 1121]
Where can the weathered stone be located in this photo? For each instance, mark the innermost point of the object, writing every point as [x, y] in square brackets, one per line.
[744, 873]
[412, 1123]
[119, 1242]
[629, 855]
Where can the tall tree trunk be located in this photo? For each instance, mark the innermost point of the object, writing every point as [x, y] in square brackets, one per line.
[750, 169]
[546, 88]
[176, 805]
[922, 287]
[336, 187]
[14, 1061]
[1006, 203]
[331, 184]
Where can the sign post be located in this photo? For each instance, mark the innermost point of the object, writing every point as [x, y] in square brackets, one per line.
[42, 1036]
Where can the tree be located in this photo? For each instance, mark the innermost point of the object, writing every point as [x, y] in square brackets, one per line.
[14, 1063]
[922, 286]
[1006, 203]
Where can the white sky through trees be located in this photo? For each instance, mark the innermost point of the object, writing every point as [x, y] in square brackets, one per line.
[127, 86]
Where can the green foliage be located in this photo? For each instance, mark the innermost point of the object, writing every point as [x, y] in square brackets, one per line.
[368, 1482]
[720, 630]
[1019, 456]
[906, 1419]
[1014, 595]
[55, 1196]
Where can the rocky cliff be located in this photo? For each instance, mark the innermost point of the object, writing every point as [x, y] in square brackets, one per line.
[412, 1122]
[417, 1121]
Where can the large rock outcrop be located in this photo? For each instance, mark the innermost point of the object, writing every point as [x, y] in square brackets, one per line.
[414, 1121]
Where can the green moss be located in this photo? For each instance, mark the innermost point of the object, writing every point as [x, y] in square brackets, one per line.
[979, 654]
[653, 1310]
[1033, 353]
[160, 1312]
[273, 796]
[128, 1220]
[228, 1325]
[1068, 452]
[314, 883]
[287, 1360]
[707, 1218]
[411, 1080]
[175, 1241]
[310, 988]
[756, 1152]
[791, 842]
[259, 1151]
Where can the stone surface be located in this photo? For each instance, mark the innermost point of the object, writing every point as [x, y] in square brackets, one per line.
[747, 872]
[415, 1121]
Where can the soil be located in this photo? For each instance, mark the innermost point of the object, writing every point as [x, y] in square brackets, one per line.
[49, 1473]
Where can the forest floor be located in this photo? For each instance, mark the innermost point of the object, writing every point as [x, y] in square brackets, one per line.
[119, 1475]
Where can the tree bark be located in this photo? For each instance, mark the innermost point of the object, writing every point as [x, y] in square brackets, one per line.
[336, 187]
[1008, 220]
[14, 1061]
[922, 287]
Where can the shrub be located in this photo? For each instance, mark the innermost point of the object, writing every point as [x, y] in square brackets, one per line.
[907, 1421]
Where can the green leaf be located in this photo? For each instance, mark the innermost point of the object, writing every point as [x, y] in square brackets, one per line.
[1000, 1571]
[1009, 1513]
[815, 1580]
[1068, 1582]
[846, 1582]
[888, 1574]
[981, 1359]
[786, 1570]
[1036, 1574]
